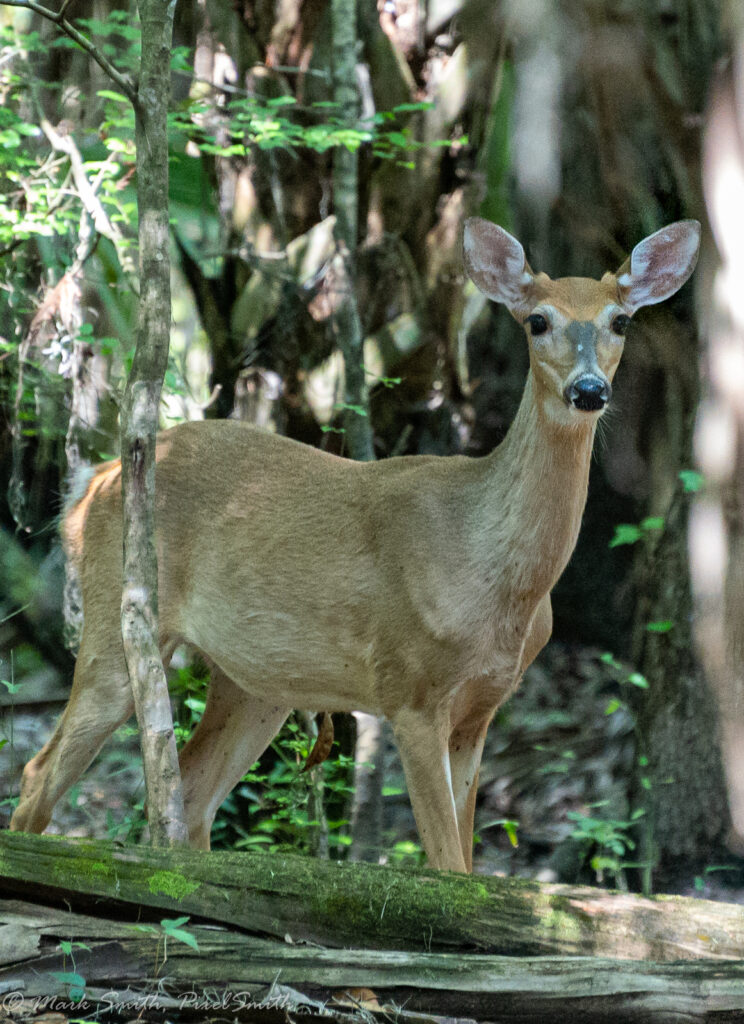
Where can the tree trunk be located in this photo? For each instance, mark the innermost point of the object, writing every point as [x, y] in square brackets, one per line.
[345, 203]
[716, 529]
[139, 423]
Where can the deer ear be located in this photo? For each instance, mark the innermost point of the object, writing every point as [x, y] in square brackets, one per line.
[496, 263]
[659, 265]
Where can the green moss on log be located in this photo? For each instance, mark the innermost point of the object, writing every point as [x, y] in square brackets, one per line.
[373, 907]
[170, 883]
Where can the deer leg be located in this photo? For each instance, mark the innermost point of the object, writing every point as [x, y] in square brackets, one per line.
[465, 752]
[100, 701]
[235, 729]
[422, 742]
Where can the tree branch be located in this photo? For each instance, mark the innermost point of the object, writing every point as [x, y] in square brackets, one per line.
[91, 203]
[124, 83]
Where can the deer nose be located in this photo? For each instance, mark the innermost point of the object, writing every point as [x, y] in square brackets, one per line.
[588, 393]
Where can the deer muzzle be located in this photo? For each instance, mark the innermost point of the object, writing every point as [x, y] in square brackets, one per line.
[588, 393]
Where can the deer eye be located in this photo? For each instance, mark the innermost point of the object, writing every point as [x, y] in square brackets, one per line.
[538, 323]
[620, 324]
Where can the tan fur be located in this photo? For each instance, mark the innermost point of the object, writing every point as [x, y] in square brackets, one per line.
[416, 588]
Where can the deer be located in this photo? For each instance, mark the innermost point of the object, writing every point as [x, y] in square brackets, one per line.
[415, 587]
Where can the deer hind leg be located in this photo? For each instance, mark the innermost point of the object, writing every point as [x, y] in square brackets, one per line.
[422, 741]
[100, 701]
[234, 731]
[465, 752]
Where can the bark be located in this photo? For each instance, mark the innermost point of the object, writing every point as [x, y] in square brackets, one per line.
[139, 422]
[680, 785]
[366, 812]
[345, 202]
[635, 168]
[368, 906]
[350, 336]
[122, 961]
[717, 524]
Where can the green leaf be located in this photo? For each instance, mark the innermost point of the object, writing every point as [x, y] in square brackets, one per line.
[691, 480]
[653, 523]
[346, 407]
[67, 946]
[605, 863]
[509, 826]
[75, 983]
[109, 94]
[638, 680]
[613, 706]
[173, 922]
[173, 931]
[404, 108]
[660, 627]
[609, 659]
[626, 533]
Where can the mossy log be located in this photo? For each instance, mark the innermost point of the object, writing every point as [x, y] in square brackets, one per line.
[367, 906]
[56, 960]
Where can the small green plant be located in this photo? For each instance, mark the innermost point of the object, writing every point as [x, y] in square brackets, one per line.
[73, 982]
[171, 928]
[406, 852]
[700, 879]
[278, 797]
[629, 533]
[605, 842]
[509, 826]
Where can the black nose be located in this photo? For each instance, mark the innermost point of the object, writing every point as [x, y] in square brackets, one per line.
[588, 393]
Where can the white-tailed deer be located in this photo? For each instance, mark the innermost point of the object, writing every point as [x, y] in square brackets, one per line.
[417, 588]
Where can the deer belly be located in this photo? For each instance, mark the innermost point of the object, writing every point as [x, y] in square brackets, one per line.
[299, 663]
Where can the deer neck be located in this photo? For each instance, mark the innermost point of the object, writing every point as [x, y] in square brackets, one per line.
[536, 486]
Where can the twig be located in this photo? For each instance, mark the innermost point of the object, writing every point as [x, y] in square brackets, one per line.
[87, 194]
[124, 83]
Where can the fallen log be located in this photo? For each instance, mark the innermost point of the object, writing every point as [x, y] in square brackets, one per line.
[59, 961]
[372, 907]
[128, 967]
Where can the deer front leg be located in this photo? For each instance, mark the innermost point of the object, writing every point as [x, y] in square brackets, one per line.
[421, 736]
[465, 752]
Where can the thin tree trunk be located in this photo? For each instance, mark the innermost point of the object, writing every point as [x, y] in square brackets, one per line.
[139, 422]
[358, 427]
[366, 812]
[345, 202]
[716, 530]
